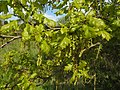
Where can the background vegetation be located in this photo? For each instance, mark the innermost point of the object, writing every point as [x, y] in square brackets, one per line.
[80, 51]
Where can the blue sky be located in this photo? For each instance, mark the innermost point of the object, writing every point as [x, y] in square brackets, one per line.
[50, 14]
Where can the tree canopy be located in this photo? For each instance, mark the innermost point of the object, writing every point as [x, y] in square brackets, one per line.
[82, 49]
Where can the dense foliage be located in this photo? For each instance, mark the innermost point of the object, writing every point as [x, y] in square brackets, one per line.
[79, 51]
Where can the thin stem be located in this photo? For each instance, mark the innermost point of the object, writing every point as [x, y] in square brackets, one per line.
[3, 45]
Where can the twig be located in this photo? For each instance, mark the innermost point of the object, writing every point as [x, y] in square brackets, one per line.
[91, 79]
[21, 18]
[54, 29]
[5, 36]
[93, 45]
[98, 43]
[23, 7]
[15, 37]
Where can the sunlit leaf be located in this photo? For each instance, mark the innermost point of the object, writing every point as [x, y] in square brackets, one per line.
[45, 47]
[49, 33]
[38, 17]
[105, 35]
[25, 33]
[39, 29]
[64, 30]
[5, 16]
[33, 75]
[23, 2]
[43, 1]
[49, 22]
[65, 42]
[116, 22]
[9, 27]
[68, 67]
[49, 62]
[39, 60]
[38, 38]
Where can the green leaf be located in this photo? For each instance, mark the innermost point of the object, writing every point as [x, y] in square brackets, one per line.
[78, 3]
[39, 60]
[45, 47]
[32, 30]
[96, 22]
[81, 53]
[73, 79]
[82, 64]
[9, 1]
[5, 28]
[38, 38]
[38, 17]
[49, 22]
[49, 33]
[43, 1]
[39, 29]
[105, 35]
[3, 6]
[23, 2]
[50, 62]
[87, 34]
[116, 22]
[60, 12]
[25, 33]
[33, 75]
[68, 67]
[9, 27]
[5, 16]
[52, 23]
[91, 13]
[87, 31]
[64, 30]
[84, 73]
[46, 20]
[65, 42]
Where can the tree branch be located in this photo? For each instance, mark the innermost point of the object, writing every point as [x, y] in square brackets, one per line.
[5, 36]
[21, 18]
[23, 7]
[13, 38]
[93, 45]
